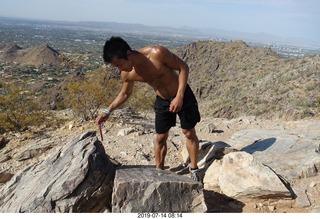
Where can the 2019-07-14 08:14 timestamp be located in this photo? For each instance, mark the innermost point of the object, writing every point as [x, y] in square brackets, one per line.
[160, 215]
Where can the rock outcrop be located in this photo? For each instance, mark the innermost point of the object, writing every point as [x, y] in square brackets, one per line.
[278, 162]
[242, 177]
[146, 189]
[248, 165]
[78, 177]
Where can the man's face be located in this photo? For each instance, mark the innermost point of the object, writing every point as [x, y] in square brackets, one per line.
[122, 64]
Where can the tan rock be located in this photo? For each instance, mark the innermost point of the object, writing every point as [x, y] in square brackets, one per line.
[239, 175]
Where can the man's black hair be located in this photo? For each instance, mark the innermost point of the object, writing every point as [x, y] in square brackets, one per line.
[115, 47]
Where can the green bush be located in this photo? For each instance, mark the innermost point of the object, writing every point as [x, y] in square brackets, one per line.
[142, 98]
[18, 110]
[87, 96]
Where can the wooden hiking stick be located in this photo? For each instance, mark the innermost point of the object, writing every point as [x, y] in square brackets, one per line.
[100, 133]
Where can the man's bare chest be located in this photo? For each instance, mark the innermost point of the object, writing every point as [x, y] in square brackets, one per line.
[149, 72]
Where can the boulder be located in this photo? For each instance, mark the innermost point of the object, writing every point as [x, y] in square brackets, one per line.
[209, 128]
[291, 153]
[240, 176]
[147, 189]
[126, 131]
[78, 177]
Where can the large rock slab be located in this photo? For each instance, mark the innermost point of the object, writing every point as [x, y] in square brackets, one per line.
[291, 153]
[300, 160]
[240, 176]
[147, 189]
[78, 177]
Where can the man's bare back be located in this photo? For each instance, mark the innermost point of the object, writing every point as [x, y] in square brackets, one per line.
[156, 66]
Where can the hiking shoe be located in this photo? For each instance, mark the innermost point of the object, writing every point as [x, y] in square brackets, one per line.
[195, 174]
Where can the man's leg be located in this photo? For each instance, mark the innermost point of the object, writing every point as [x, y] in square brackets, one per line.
[161, 149]
[192, 143]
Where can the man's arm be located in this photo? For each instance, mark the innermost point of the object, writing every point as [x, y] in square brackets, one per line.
[121, 98]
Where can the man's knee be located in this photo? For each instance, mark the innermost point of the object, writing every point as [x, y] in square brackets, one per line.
[161, 139]
[190, 133]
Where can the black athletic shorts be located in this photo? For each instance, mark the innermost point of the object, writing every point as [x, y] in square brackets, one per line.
[189, 114]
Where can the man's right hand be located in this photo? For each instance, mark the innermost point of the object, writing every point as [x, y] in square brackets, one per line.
[102, 118]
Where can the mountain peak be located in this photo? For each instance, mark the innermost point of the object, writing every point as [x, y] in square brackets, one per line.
[39, 55]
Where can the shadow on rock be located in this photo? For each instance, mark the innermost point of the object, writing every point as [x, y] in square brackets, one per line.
[221, 203]
[259, 145]
[208, 152]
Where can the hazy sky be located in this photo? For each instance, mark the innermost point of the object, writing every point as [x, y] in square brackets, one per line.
[284, 18]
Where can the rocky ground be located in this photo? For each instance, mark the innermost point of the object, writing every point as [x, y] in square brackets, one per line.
[128, 139]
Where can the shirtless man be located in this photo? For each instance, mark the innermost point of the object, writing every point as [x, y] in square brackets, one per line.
[158, 67]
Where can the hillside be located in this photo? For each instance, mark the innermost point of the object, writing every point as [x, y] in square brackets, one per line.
[35, 56]
[230, 79]
[233, 79]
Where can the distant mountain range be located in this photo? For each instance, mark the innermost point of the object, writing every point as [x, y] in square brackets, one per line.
[202, 33]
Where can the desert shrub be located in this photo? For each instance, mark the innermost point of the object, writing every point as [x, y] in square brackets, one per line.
[18, 110]
[87, 96]
[306, 113]
[142, 98]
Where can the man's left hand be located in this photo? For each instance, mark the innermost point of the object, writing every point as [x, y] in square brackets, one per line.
[176, 105]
